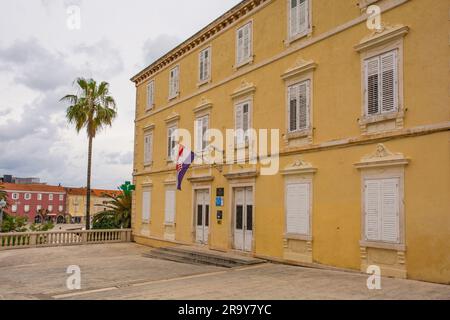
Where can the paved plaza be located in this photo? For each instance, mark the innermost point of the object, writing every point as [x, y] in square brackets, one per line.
[120, 271]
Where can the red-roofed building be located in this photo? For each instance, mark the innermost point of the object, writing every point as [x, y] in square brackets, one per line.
[36, 202]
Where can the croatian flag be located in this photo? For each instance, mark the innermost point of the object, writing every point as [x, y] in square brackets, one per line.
[184, 159]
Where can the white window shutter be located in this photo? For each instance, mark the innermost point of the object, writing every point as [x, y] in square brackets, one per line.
[150, 95]
[390, 210]
[294, 8]
[389, 82]
[240, 46]
[208, 64]
[146, 203]
[372, 85]
[205, 127]
[201, 64]
[247, 41]
[177, 80]
[292, 108]
[298, 208]
[239, 124]
[303, 100]
[198, 135]
[372, 210]
[170, 206]
[303, 15]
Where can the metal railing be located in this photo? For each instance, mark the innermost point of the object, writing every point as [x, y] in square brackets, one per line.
[62, 238]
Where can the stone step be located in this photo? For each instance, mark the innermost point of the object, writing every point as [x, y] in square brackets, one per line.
[194, 255]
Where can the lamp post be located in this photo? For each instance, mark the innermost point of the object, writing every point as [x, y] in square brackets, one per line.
[2, 206]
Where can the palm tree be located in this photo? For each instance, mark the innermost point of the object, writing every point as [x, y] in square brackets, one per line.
[117, 211]
[91, 108]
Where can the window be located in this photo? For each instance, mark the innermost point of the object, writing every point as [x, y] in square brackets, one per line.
[299, 106]
[244, 44]
[60, 208]
[61, 197]
[170, 207]
[243, 122]
[171, 143]
[298, 18]
[150, 95]
[27, 196]
[26, 208]
[38, 208]
[146, 206]
[39, 196]
[14, 208]
[201, 126]
[15, 196]
[382, 210]
[50, 197]
[205, 65]
[174, 82]
[381, 84]
[148, 148]
[298, 206]
[50, 208]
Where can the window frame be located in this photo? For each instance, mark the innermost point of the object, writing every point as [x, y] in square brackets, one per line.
[204, 143]
[166, 221]
[27, 196]
[150, 103]
[299, 181]
[308, 31]
[249, 59]
[15, 196]
[202, 81]
[148, 158]
[176, 94]
[237, 104]
[171, 154]
[298, 129]
[145, 219]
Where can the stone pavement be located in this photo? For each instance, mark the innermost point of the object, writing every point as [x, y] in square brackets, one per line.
[119, 271]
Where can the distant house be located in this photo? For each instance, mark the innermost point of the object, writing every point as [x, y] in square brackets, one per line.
[36, 202]
[76, 202]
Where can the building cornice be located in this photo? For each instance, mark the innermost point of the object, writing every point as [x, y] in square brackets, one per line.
[197, 40]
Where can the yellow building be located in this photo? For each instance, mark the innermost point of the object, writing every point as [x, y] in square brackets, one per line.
[363, 115]
[76, 202]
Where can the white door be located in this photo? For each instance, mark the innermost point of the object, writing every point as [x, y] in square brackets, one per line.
[243, 219]
[202, 216]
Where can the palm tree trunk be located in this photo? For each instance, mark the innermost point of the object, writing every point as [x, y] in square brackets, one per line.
[88, 195]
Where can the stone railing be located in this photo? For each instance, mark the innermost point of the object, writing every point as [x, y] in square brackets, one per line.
[62, 238]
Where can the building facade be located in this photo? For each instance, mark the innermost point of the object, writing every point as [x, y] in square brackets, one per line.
[363, 116]
[76, 202]
[36, 202]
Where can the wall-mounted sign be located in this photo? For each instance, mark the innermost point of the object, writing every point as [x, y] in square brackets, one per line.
[220, 192]
[219, 202]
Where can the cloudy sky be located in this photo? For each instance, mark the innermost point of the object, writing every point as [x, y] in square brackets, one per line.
[40, 56]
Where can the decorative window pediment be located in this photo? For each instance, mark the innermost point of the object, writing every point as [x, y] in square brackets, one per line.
[204, 105]
[379, 37]
[150, 127]
[299, 167]
[174, 117]
[300, 68]
[382, 157]
[245, 89]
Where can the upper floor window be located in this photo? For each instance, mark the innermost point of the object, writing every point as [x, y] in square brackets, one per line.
[14, 208]
[38, 208]
[298, 208]
[27, 196]
[50, 196]
[61, 197]
[26, 208]
[298, 17]
[150, 95]
[205, 65]
[39, 196]
[244, 44]
[148, 148]
[299, 106]
[243, 122]
[15, 196]
[60, 208]
[381, 84]
[174, 82]
[201, 126]
[171, 142]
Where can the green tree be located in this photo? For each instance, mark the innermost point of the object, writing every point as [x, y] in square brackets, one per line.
[117, 212]
[3, 195]
[13, 224]
[92, 108]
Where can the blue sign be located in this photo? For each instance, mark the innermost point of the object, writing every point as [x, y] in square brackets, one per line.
[219, 201]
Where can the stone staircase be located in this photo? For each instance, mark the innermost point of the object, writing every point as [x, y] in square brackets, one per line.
[200, 256]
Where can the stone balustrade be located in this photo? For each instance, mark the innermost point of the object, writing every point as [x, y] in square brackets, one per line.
[62, 238]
